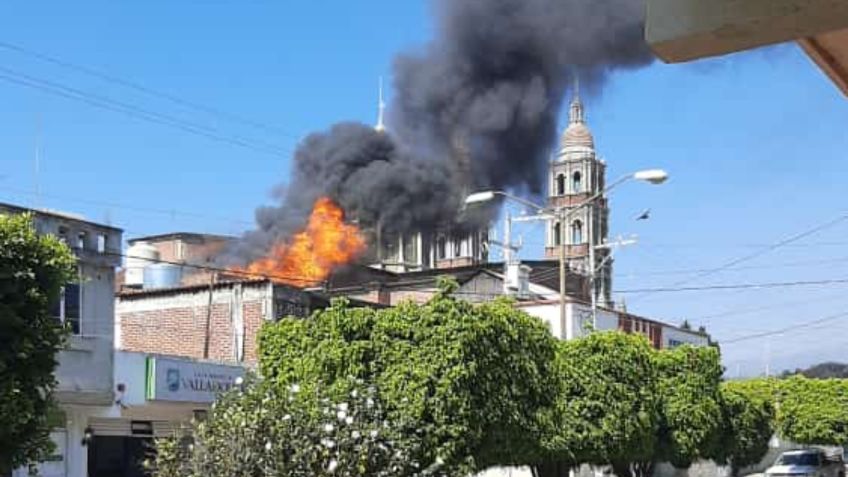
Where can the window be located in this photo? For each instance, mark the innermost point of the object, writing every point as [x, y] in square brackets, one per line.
[391, 251]
[577, 182]
[457, 247]
[560, 184]
[557, 234]
[82, 238]
[410, 249]
[179, 250]
[286, 308]
[63, 234]
[68, 309]
[576, 232]
[101, 243]
[442, 248]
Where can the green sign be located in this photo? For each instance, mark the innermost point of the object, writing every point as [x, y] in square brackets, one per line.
[183, 380]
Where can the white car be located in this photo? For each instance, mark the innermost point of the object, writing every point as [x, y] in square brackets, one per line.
[807, 463]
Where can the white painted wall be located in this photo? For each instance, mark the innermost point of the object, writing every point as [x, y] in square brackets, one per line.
[578, 317]
[673, 337]
[85, 367]
[549, 314]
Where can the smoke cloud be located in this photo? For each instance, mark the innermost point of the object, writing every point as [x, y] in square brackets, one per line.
[476, 108]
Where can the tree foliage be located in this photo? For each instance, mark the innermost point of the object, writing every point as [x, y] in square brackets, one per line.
[272, 430]
[473, 377]
[813, 411]
[690, 417]
[606, 406]
[748, 425]
[33, 268]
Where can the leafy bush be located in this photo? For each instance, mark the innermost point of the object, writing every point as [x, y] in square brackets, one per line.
[33, 268]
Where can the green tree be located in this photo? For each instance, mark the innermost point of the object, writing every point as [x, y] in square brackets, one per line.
[748, 425]
[472, 378]
[266, 430]
[606, 407]
[690, 418]
[33, 268]
[813, 411]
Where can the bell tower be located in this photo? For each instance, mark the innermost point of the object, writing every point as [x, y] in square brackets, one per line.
[576, 174]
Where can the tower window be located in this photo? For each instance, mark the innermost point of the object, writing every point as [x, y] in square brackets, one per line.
[560, 184]
[557, 234]
[577, 232]
[577, 182]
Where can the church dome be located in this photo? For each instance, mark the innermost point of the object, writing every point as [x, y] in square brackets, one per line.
[577, 135]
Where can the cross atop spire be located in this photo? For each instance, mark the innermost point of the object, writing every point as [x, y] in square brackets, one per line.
[381, 108]
[575, 113]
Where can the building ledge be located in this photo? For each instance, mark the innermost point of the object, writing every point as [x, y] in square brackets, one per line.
[85, 344]
[84, 398]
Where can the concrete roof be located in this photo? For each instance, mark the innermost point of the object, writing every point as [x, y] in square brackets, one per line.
[180, 235]
[17, 209]
[685, 30]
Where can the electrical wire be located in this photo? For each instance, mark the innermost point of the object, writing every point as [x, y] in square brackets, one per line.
[146, 90]
[102, 102]
[748, 257]
[119, 206]
[773, 306]
[764, 334]
[737, 286]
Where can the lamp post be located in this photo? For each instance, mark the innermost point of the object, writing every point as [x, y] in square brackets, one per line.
[563, 214]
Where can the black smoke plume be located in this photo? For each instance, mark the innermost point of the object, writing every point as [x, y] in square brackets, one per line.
[476, 108]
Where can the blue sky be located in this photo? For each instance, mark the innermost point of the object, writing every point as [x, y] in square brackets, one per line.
[755, 144]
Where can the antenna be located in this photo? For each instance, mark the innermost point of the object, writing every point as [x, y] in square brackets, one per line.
[576, 85]
[38, 161]
[381, 107]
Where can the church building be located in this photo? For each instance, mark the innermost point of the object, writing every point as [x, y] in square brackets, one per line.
[577, 175]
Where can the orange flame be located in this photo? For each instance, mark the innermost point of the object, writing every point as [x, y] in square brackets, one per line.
[311, 255]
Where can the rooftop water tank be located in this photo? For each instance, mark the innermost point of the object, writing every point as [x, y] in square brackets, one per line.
[140, 255]
[162, 275]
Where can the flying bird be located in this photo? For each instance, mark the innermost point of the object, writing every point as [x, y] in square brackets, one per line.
[645, 215]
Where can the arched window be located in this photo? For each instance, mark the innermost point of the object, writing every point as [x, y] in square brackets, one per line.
[560, 184]
[457, 247]
[577, 182]
[442, 248]
[576, 232]
[557, 234]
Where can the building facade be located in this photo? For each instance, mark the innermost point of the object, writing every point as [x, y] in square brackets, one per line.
[175, 350]
[85, 388]
[576, 175]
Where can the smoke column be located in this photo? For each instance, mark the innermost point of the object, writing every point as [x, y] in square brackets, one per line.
[494, 77]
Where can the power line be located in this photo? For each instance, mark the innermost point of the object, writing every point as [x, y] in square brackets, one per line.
[758, 253]
[243, 273]
[685, 271]
[745, 311]
[737, 286]
[114, 205]
[786, 329]
[146, 90]
[102, 102]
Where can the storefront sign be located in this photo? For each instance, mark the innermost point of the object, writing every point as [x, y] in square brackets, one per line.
[182, 380]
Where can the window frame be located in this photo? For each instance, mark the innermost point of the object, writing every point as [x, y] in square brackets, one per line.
[577, 232]
[62, 315]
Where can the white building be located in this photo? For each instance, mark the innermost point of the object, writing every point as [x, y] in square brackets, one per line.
[85, 390]
[579, 322]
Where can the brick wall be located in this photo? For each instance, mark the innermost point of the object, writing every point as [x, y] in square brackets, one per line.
[175, 324]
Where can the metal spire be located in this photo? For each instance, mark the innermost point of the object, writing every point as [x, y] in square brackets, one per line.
[575, 114]
[381, 105]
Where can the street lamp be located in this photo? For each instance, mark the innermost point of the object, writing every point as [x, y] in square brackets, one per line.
[562, 214]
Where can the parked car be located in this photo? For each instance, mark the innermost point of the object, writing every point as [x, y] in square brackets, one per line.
[808, 463]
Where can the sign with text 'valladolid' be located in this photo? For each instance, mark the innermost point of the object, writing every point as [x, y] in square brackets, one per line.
[188, 381]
